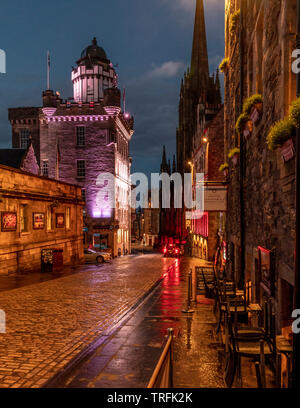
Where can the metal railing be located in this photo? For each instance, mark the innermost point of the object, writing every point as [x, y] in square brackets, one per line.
[162, 376]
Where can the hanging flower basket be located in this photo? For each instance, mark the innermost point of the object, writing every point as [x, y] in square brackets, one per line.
[280, 133]
[243, 125]
[248, 129]
[234, 155]
[256, 112]
[235, 159]
[287, 150]
[224, 169]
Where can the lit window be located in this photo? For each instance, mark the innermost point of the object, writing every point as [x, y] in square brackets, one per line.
[68, 218]
[80, 135]
[81, 168]
[49, 218]
[45, 168]
[24, 138]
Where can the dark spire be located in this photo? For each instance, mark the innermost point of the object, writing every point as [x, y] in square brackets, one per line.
[174, 164]
[199, 63]
[169, 167]
[164, 164]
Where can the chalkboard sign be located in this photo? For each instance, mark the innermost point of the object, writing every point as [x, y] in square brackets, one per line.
[205, 277]
[47, 260]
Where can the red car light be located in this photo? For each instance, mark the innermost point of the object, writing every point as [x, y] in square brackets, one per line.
[165, 250]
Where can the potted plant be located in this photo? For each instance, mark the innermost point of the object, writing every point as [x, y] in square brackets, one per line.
[224, 65]
[244, 125]
[280, 136]
[224, 168]
[234, 155]
[253, 107]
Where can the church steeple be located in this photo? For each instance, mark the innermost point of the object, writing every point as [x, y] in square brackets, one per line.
[164, 164]
[199, 62]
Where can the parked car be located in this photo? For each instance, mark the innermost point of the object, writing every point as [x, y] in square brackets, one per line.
[172, 251]
[98, 257]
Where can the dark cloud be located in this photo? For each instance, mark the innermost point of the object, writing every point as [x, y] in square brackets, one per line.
[151, 42]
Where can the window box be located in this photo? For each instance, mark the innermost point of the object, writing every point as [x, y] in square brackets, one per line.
[234, 155]
[224, 169]
[279, 133]
[287, 150]
[256, 112]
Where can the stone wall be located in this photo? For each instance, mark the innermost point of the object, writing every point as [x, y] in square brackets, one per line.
[20, 251]
[268, 181]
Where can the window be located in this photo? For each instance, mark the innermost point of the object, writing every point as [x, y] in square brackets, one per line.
[68, 212]
[23, 218]
[45, 168]
[81, 168]
[49, 219]
[24, 138]
[80, 135]
[83, 194]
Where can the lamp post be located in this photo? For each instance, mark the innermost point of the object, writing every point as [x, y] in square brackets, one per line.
[296, 337]
[192, 191]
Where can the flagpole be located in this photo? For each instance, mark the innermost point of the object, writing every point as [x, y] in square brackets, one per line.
[48, 70]
[124, 101]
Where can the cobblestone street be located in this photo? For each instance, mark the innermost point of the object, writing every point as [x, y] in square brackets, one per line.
[128, 358]
[49, 323]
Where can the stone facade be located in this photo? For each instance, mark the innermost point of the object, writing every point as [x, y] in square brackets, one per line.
[200, 141]
[207, 232]
[78, 141]
[24, 195]
[268, 39]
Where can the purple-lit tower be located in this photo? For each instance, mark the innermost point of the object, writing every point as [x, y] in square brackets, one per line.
[75, 141]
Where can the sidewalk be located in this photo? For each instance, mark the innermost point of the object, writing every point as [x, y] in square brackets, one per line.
[49, 323]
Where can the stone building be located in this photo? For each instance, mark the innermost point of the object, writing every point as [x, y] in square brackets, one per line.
[170, 231]
[200, 138]
[36, 214]
[79, 141]
[150, 223]
[259, 63]
[207, 233]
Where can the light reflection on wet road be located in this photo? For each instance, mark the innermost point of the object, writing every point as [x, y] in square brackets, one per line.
[128, 358]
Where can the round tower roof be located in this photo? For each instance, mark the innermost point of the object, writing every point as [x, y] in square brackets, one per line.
[94, 52]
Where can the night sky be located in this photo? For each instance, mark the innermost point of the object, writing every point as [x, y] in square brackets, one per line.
[150, 40]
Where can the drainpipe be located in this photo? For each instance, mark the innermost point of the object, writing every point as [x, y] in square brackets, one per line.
[242, 205]
[296, 337]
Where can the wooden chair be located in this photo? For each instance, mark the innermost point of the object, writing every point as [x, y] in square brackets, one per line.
[250, 343]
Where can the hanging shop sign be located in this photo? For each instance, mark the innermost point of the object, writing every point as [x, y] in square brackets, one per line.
[8, 221]
[215, 198]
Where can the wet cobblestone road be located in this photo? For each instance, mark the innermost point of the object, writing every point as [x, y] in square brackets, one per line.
[49, 323]
[128, 358]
